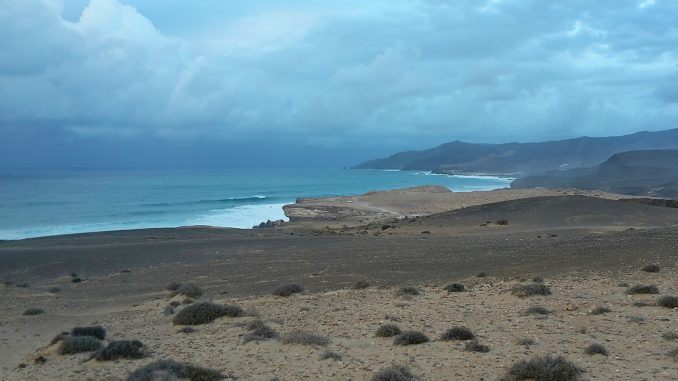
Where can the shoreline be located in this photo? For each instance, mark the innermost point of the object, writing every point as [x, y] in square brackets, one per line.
[209, 217]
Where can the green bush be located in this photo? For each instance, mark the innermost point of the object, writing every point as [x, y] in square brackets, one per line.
[475, 346]
[411, 338]
[394, 373]
[668, 301]
[547, 368]
[599, 310]
[454, 287]
[288, 289]
[330, 355]
[596, 348]
[526, 341]
[536, 310]
[167, 370]
[643, 289]
[205, 312]
[408, 290]
[457, 333]
[387, 330]
[77, 344]
[525, 290]
[653, 268]
[187, 289]
[304, 338]
[121, 349]
[259, 331]
[95, 331]
[33, 312]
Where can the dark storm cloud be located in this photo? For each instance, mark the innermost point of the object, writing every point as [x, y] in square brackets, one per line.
[336, 73]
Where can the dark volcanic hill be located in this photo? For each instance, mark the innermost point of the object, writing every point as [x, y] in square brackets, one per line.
[520, 159]
[651, 173]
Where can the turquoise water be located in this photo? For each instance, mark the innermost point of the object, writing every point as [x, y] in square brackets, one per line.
[34, 204]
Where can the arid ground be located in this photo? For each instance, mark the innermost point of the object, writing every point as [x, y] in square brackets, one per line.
[588, 248]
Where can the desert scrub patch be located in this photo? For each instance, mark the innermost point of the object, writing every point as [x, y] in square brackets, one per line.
[538, 279]
[329, 355]
[187, 330]
[54, 290]
[394, 373]
[205, 312]
[536, 310]
[642, 289]
[457, 333]
[33, 312]
[78, 344]
[171, 370]
[652, 268]
[94, 331]
[670, 336]
[410, 338]
[189, 290]
[503, 221]
[121, 349]
[454, 287]
[387, 330]
[673, 354]
[668, 301]
[475, 346]
[600, 310]
[636, 319]
[526, 341]
[288, 289]
[304, 338]
[360, 285]
[525, 290]
[408, 290]
[259, 331]
[595, 349]
[481, 274]
[547, 368]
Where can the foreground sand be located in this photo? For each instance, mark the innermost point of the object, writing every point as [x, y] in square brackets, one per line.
[631, 334]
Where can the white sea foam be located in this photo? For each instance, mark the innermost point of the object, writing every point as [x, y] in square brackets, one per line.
[243, 217]
[11, 234]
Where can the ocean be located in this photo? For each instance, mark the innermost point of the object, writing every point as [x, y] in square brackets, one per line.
[34, 204]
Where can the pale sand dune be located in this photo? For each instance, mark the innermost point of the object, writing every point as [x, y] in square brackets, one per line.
[415, 201]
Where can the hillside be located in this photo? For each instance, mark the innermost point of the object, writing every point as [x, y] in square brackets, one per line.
[521, 159]
[652, 173]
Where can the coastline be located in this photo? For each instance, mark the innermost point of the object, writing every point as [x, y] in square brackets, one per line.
[244, 210]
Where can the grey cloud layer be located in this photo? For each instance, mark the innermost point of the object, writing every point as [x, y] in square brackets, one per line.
[332, 72]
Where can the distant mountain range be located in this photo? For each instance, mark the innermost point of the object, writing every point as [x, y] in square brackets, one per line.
[651, 173]
[523, 159]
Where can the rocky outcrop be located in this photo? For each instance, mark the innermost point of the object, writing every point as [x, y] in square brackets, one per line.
[269, 224]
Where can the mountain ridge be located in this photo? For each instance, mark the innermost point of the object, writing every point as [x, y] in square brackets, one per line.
[642, 172]
[522, 159]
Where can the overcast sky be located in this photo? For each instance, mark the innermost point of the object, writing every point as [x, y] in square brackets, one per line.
[192, 83]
